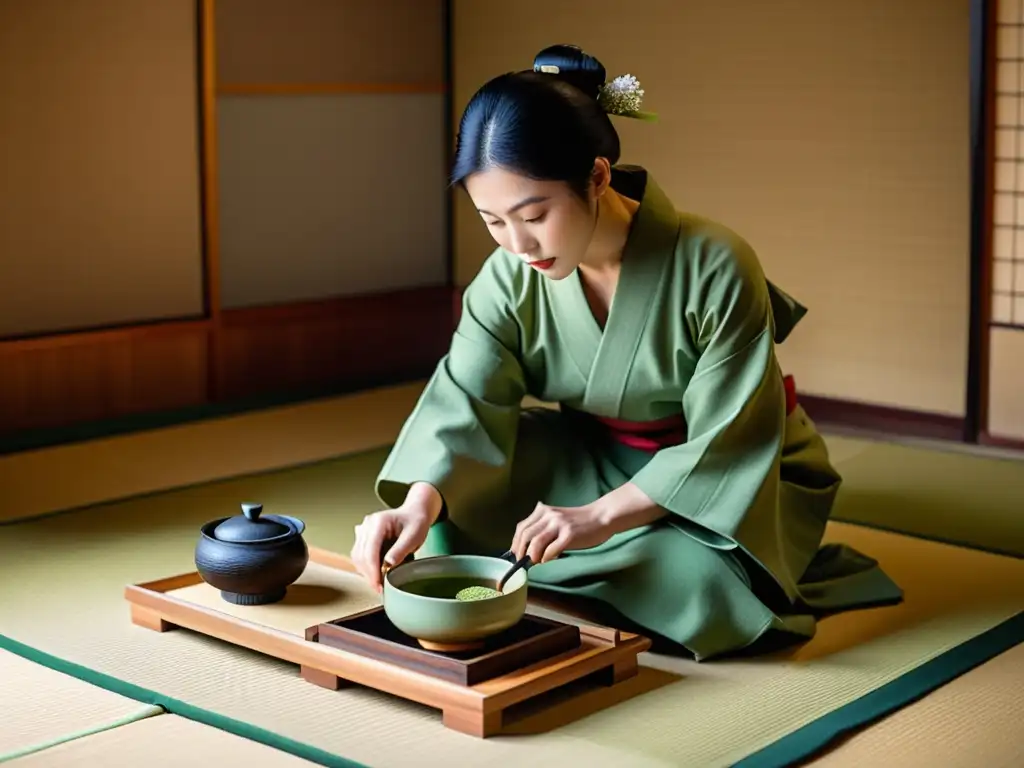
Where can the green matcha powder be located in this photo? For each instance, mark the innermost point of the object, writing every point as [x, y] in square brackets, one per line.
[476, 593]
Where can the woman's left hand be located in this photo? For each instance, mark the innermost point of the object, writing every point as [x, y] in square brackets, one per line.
[549, 531]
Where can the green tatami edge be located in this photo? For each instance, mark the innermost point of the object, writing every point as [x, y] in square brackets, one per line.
[794, 747]
[909, 687]
[176, 706]
[134, 717]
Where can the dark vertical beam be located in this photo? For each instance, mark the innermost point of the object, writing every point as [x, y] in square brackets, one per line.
[449, 132]
[206, 50]
[982, 136]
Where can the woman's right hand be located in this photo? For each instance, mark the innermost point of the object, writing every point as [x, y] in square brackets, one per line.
[407, 526]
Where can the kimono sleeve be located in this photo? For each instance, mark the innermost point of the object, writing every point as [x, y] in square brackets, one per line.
[461, 434]
[721, 485]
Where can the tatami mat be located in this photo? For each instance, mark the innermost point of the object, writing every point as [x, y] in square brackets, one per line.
[166, 741]
[78, 474]
[40, 707]
[683, 713]
[944, 493]
[973, 722]
[81, 561]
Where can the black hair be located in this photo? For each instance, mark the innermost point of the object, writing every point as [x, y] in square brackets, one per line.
[545, 123]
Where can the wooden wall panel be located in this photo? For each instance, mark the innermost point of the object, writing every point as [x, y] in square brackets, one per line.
[99, 187]
[73, 379]
[329, 195]
[335, 343]
[280, 351]
[289, 42]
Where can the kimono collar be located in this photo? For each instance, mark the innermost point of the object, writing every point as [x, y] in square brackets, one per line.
[605, 356]
[656, 229]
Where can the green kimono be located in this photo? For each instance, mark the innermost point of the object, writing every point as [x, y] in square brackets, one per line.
[691, 331]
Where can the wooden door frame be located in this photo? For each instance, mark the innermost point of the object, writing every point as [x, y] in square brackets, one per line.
[982, 140]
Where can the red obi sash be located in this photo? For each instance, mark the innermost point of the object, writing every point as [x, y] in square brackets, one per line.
[791, 400]
[652, 436]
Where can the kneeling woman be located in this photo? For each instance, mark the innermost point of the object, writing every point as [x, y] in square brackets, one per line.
[679, 483]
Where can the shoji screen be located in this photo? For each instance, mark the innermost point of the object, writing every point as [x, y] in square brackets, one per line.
[1006, 352]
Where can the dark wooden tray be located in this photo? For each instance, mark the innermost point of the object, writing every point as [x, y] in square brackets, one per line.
[370, 633]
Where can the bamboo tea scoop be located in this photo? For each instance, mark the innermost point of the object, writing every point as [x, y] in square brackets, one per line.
[523, 563]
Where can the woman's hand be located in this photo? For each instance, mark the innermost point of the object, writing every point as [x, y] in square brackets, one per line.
[407, 526]
[549, 531]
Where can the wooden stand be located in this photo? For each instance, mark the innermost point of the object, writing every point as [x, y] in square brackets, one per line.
[472, 690]
[371, 633]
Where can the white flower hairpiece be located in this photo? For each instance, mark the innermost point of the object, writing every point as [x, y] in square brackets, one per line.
[623, 96]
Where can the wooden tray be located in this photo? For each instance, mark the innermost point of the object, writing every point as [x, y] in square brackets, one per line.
[471, 708]
[371, 633]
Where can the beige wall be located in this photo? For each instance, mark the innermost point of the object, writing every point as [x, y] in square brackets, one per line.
[833, 135]
[99, 179]
[325, 195]
[1006, 384]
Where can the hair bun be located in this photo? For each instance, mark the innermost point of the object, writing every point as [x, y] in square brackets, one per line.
[571, 64]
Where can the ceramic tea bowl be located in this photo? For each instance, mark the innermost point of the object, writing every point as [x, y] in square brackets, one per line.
[252, 558]
[419, 599]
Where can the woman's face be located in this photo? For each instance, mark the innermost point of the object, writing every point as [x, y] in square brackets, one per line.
[544, 223]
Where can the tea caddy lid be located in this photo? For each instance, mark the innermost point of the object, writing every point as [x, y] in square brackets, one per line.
[248, 527]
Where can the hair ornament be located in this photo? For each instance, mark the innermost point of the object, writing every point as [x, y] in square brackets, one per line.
[624, 97]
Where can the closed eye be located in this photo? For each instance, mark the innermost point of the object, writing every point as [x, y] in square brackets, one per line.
[535, 220]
